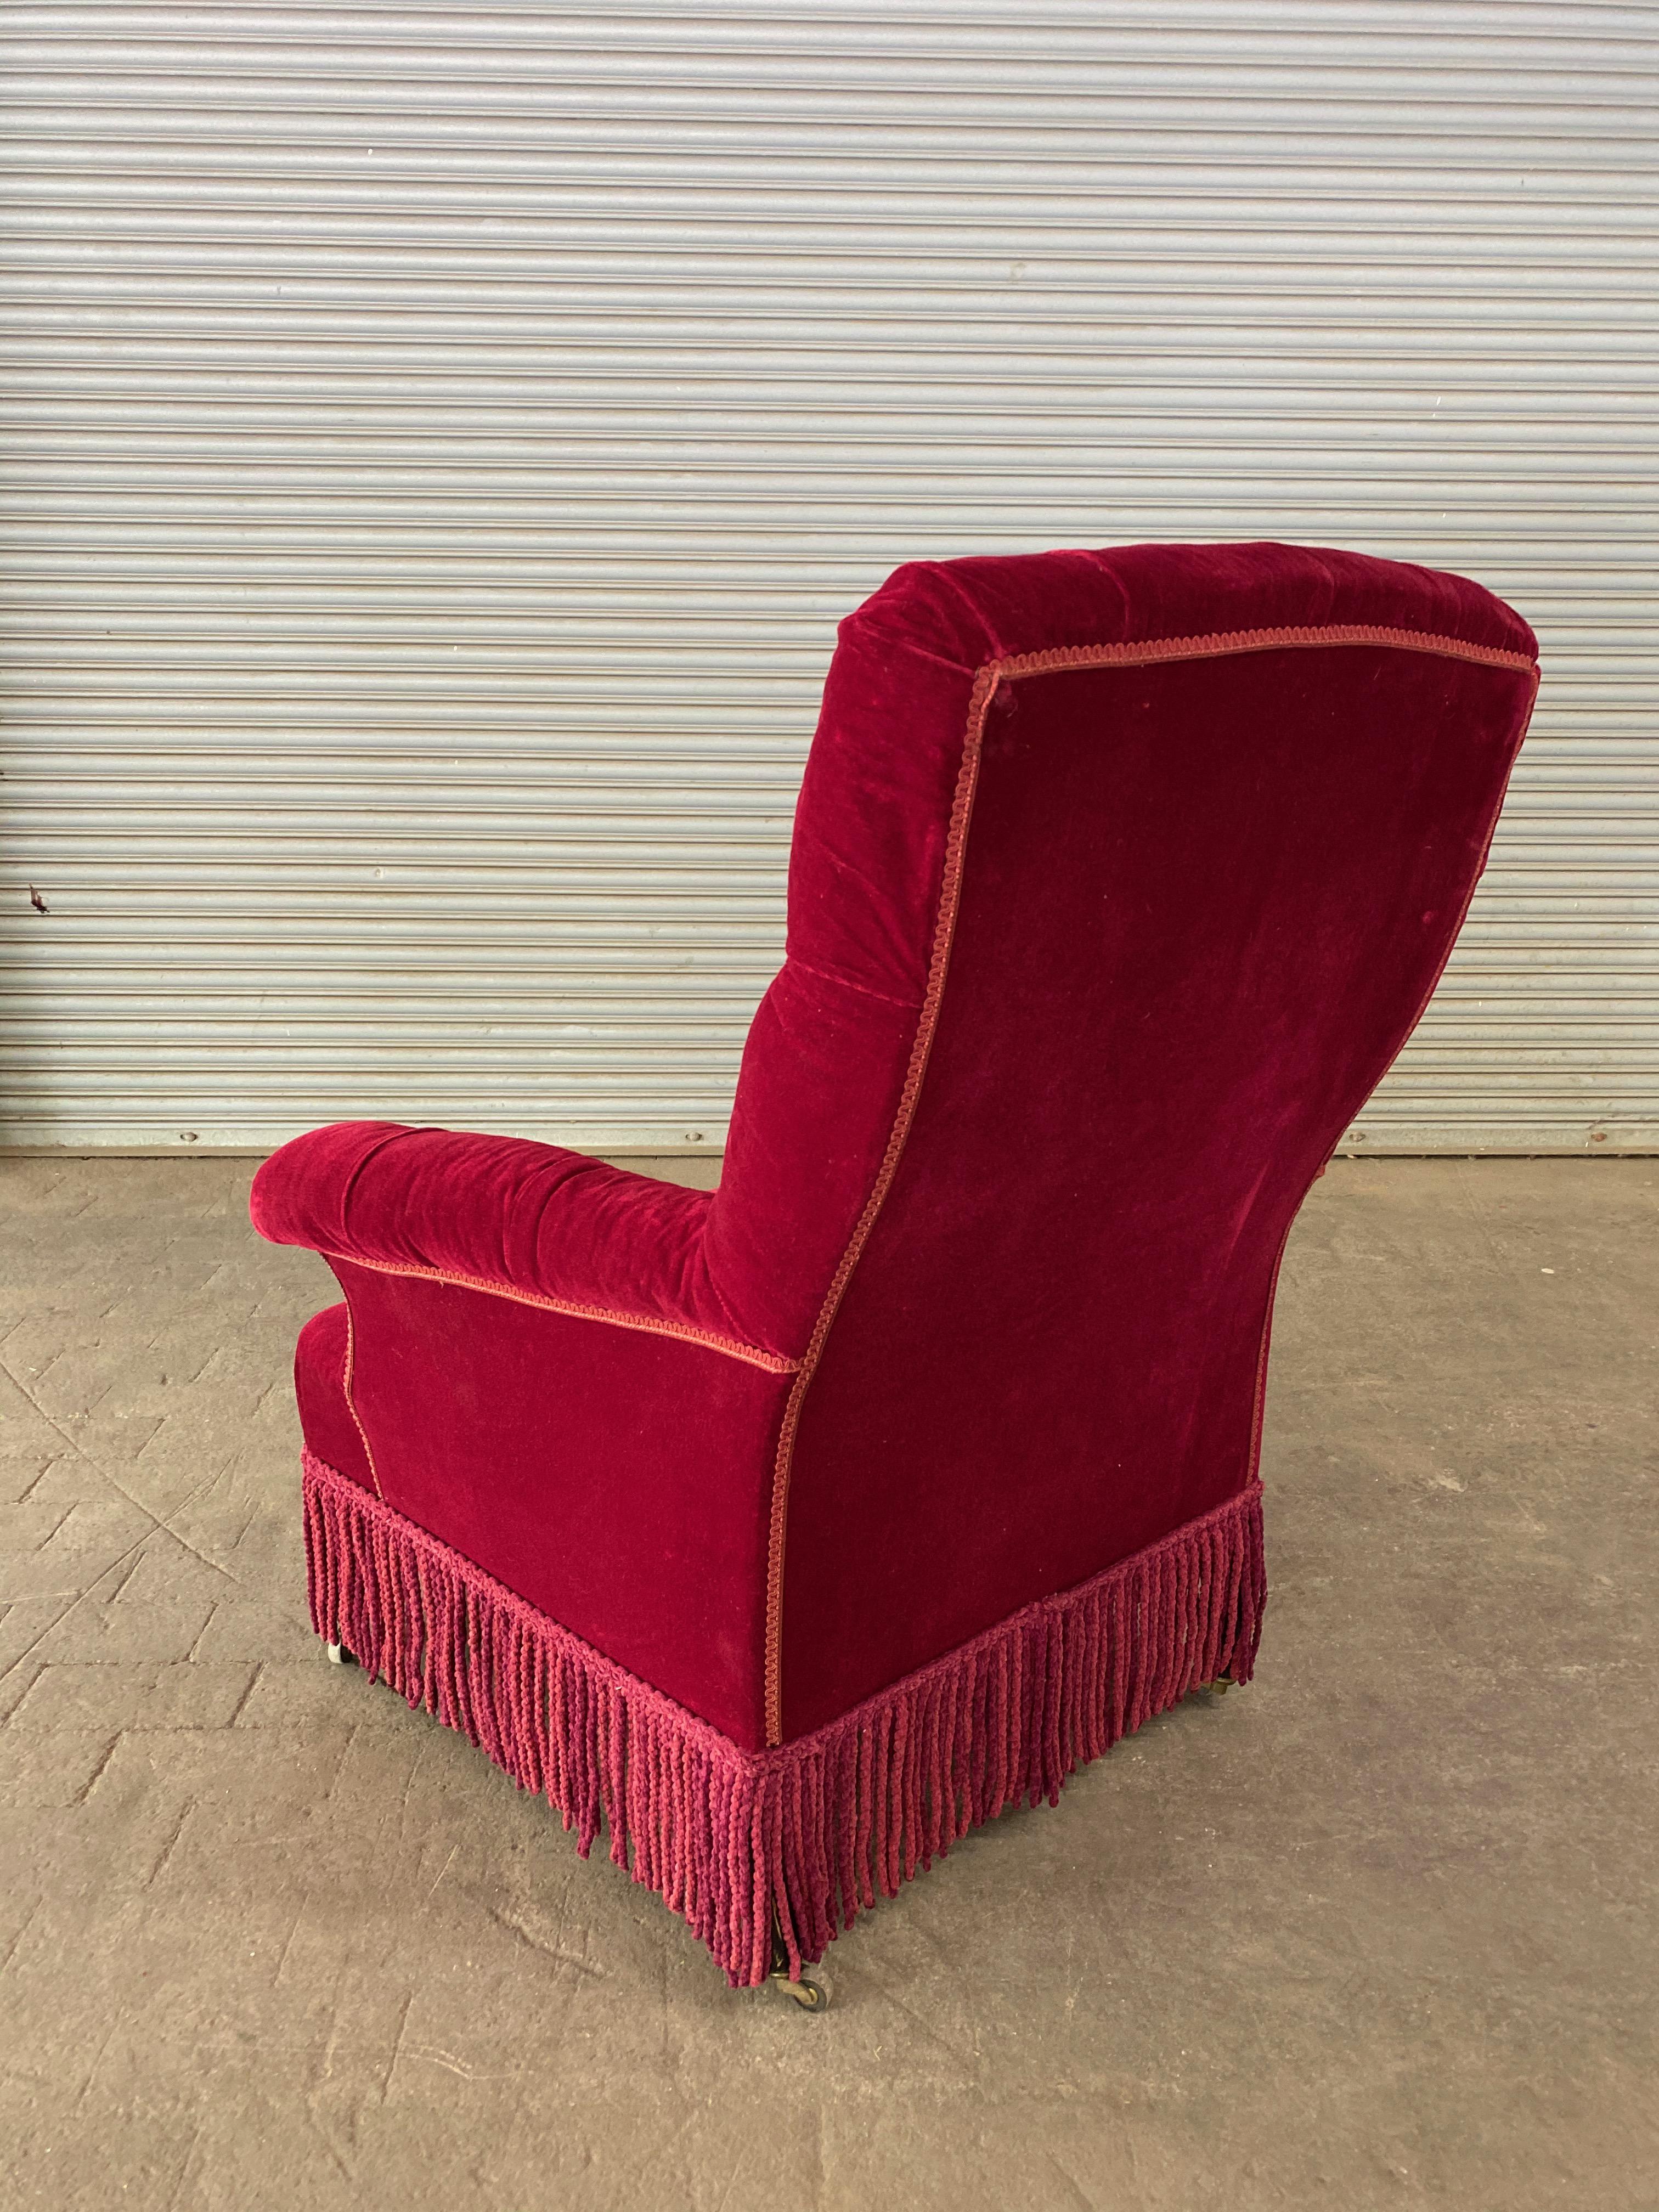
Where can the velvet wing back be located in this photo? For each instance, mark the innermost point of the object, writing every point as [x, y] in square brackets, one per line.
[1227, 807]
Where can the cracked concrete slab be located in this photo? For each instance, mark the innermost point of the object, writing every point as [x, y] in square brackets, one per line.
[1380, 1930]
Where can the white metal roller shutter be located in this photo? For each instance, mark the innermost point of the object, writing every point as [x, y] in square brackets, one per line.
[442, 440]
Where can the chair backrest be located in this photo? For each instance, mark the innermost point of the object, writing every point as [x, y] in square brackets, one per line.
[1118, 881]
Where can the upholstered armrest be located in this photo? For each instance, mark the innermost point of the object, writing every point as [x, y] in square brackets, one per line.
[499, 1213]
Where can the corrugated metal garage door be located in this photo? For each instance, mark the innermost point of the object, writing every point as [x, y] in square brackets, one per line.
[443, 440]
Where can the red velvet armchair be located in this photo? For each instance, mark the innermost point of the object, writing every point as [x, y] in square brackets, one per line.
[790, 1530]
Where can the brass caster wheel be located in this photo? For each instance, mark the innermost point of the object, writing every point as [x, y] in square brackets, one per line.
[338, 1655]
[1221, 1685]
[810, 1996]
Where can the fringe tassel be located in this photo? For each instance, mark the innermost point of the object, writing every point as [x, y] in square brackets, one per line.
[815, 1830]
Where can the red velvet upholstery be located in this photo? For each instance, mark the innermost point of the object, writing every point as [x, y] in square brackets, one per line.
[1091, 963]
[326, 1420]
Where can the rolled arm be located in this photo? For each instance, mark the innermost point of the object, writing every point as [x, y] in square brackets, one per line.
[500, 1213]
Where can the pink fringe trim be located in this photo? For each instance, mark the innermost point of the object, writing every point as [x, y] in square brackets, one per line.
[810, 1832]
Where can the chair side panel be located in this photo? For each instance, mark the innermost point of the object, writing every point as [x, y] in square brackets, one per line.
[619, 1481]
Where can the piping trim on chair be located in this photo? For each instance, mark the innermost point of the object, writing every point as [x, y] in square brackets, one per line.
[961, 807]
[1211, 647]
[774, 1362]
[346, 1374]
[1139, 654]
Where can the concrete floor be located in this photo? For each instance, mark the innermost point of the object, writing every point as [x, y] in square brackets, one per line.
[1379, 1930]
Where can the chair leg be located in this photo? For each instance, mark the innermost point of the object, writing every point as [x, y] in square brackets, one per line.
[810, 1996]
[338, 1655]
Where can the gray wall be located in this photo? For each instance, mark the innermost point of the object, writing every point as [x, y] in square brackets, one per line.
[443, 441]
